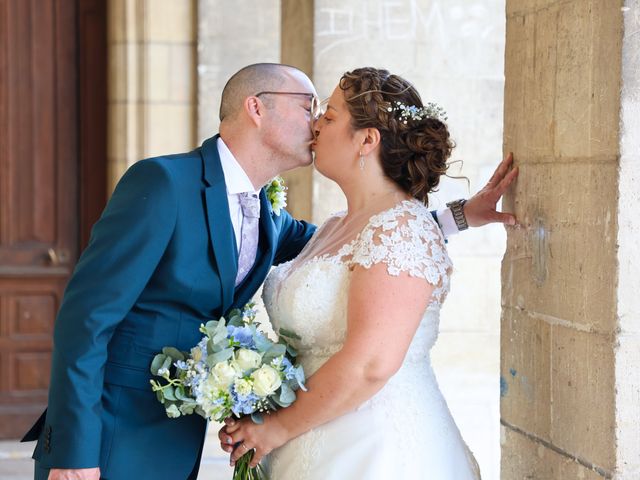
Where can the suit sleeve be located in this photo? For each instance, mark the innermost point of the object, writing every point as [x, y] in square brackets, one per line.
[126, 246]
[293, 236]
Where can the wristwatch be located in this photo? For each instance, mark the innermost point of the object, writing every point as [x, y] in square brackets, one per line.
[458, 213]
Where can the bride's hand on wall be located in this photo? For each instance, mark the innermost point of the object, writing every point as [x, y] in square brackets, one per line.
[481, 208]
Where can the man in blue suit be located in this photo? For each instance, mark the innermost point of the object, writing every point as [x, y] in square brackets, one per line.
[173, 249]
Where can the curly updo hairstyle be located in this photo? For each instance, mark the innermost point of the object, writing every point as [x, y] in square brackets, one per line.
[413, 154]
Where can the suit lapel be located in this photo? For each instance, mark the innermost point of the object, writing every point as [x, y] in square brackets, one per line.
[219, 221]
[264, 259]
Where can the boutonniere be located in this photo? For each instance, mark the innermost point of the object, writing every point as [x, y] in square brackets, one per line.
[276, 194]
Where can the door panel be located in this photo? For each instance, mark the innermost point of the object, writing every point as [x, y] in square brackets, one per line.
[38, 195]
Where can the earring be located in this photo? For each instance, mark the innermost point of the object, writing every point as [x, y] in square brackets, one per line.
[361, 161]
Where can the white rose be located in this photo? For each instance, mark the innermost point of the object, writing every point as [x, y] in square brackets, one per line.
[248, 359]
[243, 387]
[224, 374]
[266, 380]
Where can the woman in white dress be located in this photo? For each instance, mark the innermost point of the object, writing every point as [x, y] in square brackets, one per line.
[364, 296]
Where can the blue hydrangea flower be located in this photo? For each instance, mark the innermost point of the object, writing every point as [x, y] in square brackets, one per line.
[288, 369]
[242, 335]
[243, 404]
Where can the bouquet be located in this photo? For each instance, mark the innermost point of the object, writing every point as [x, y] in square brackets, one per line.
[234, 370]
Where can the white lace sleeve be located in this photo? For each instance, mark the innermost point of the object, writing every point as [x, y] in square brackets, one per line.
[406, 239]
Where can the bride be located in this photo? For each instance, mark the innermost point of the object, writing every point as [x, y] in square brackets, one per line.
[364, 296]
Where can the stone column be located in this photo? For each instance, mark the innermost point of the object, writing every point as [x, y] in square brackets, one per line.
[297, 30]
[151, 80]
[569, 366]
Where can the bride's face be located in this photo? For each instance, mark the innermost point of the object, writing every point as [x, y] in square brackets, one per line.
[337, 145]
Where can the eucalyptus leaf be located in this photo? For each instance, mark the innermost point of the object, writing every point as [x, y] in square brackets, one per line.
[168, 394]
[287, 395]
[220, 356]
[291, 351]
[262, 343]
[174, 353]
[256, 417]
[220, 333]
[300, 377]
[180, 394]
[157, 363]
[167, 363]
[187, 408]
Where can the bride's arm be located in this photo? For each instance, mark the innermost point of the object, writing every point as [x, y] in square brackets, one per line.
[384, 312]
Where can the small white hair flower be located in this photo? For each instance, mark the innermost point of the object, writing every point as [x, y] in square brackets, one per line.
[414, 113]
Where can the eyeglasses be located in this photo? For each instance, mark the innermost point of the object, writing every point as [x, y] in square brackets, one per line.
[315, 107]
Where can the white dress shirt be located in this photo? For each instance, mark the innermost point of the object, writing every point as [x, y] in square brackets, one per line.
[447, 222]
[237, 182]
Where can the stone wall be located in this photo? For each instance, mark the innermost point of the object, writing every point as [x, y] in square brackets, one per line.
[559, 275]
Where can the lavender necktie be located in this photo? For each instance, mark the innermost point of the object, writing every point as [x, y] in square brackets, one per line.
[250, 204]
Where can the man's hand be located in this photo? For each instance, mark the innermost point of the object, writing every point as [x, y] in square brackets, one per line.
[481, 208]
[75, 474]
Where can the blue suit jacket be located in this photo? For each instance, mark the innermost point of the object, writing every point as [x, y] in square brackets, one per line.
[161, 260]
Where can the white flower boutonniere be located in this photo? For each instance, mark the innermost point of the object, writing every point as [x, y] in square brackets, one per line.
[277, 194]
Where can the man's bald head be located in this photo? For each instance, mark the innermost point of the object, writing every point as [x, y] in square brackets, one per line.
[250, 80]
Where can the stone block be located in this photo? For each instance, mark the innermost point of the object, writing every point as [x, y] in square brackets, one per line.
[158, 73]
[170, 129]
[117, 14]
[531, 84]
[524, 458]
[562, 261]
[525, 372]
[170, 21]
[522, 7]
[118, 138]
[573, 95]
[182, 74]
[519, 54]
[583, 393]
[117, 72]
[606, 26]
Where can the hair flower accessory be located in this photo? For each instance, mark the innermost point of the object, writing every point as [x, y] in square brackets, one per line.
[277, 194]
[411, 112]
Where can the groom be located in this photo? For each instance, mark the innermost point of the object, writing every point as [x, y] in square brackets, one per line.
[184, 238]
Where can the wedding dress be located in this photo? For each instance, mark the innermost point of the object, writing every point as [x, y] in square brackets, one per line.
[405, 431]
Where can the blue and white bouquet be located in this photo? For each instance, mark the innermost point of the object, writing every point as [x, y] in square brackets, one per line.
[234, 370]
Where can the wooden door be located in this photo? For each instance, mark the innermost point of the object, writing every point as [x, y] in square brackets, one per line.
[39, 221]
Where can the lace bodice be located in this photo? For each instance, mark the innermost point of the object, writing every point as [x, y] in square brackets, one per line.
[312, 299]
[309, 296]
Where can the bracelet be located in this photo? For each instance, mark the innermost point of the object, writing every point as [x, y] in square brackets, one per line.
[458, 213]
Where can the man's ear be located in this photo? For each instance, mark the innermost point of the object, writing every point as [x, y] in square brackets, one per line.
[254, 109]
[370, 141]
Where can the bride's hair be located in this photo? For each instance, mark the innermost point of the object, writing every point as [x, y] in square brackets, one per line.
[414, 151]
